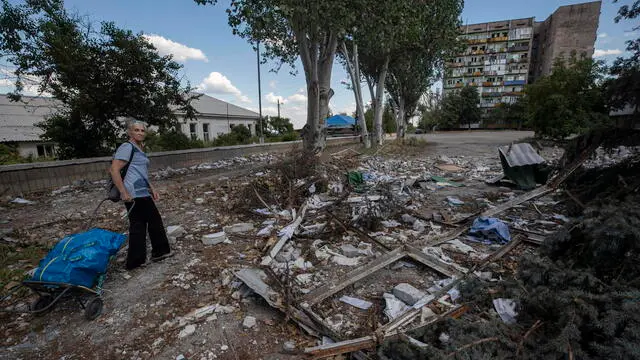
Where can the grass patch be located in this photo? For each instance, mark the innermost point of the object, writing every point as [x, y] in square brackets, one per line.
[15, 260]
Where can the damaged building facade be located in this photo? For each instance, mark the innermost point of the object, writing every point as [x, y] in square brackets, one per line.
[501, 57]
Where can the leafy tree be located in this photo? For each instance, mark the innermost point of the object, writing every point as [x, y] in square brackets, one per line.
[170, 139]
[239, 134]
[460, 108]
[289, 29]
[508, 115]
[568, 101]
[397, 35]
[278, 126]
[624, 88]
[99, 76]
[414, 69]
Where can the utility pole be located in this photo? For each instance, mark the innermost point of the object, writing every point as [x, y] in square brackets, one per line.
[278, 108]
[260, 95]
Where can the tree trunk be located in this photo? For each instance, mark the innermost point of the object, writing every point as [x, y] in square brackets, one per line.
[401, 118]
[377, 109]
[354, 72]
[317, 61]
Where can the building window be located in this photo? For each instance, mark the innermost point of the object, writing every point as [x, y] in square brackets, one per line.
[205, 132]
[192, 131]
[45, 150]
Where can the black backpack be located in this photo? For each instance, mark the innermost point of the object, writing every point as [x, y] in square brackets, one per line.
[113, 193]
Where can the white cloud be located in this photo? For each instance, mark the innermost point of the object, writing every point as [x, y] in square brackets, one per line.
[273, 98]
[179, 51]
[218, 84]
[607, 52]
[31, 84]
[631, 33]
[297, 98]
[272, 84]
[603, 35]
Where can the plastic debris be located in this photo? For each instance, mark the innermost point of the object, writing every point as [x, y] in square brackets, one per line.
[489, 230]
[506, 308]
[359, 303]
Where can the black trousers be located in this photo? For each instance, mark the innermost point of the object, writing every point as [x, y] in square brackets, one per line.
[145, 216]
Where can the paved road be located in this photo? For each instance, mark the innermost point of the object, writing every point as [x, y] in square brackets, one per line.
[472, 143]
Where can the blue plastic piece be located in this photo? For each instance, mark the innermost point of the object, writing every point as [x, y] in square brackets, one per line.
[80, 259]
[490, 230]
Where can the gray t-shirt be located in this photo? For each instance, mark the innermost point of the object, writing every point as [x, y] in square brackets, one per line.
[137, 179]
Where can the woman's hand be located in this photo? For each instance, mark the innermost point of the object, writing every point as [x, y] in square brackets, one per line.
[156, 195]
[125, 196]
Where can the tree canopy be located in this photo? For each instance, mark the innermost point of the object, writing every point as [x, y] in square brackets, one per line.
[569, 100]
[100, 76]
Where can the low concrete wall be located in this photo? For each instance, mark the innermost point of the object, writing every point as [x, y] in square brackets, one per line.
[33, 177]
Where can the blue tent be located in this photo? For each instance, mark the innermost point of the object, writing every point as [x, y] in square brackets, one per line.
[341, 121]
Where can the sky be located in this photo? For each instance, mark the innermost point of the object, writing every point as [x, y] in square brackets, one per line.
[225, 66]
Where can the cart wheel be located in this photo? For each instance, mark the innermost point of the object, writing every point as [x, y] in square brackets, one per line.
[41, 303]
[93, 309]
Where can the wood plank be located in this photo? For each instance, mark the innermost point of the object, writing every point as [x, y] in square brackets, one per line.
[333, 287]
[434, 264]
[341, 347]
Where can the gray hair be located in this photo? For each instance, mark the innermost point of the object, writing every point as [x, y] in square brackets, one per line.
[132, 122]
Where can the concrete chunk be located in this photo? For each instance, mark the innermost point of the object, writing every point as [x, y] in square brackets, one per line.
[249, 322]
[408, 293]
[239, 228]
[214, 239]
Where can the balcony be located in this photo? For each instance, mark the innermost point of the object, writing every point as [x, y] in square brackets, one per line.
[492, 84]
[458, 85]
[498, 39]
[514, 82]
[475, 63]
[514, 93]
[476, 41]
[491, 94]
[519, 48]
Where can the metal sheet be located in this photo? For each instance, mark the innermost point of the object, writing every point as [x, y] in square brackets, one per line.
[520, 155]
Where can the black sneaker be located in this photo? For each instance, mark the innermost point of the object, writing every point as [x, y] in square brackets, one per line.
[162, 257]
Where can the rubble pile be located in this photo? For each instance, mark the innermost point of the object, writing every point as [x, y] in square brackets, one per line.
[239, 161]
[575, 298]
[351, 249]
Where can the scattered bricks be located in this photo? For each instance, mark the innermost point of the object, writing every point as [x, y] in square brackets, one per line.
[408, 293]
[239, 228]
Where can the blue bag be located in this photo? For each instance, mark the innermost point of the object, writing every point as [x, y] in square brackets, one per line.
[489, 230]
[80, 258]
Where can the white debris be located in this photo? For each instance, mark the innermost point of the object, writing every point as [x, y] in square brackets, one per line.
[19, 200]
[349, 250]
[214, 239]
[224, 348]
[289, 346]
[408, 293]
[266, 231]
[312, 189]
[199, 201]
[225, 309]
[418, 226]
[426, 313]
[394, 307]
[249, 322]
[359, 303]
[506, 308]
[390, 223]
[345, 261]
[175, 231]
[239, 228]
[335, 322]
[458, 246]
[188, 330]
[304, 279]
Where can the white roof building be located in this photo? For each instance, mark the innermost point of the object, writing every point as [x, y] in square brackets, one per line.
[18, 121]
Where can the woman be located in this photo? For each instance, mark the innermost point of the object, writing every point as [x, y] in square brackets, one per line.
[139, 196]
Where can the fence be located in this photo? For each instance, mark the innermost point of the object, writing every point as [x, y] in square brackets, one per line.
[34, 177]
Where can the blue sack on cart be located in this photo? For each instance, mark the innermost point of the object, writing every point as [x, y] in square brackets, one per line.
[80, 258]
